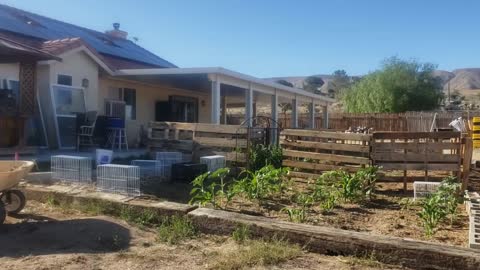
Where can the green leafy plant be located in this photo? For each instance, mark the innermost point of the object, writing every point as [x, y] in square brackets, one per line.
[440, 204]
[329, 202]
[431, 214]
[202, 193]
[350, 186]
[368, 177]
[212, 188]
[261, 155]
[262, 183]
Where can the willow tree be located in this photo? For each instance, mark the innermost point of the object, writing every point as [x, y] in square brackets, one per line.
[399, 86]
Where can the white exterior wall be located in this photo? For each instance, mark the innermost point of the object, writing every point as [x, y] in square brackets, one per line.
[10, 71]
[80, 66]
[147, 95]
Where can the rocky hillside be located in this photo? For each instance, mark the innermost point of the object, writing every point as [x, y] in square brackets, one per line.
[458, 79]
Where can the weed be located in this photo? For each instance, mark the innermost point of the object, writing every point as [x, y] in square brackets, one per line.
[175, 229]
[298, 215]
[144, 217]
[255, 253]
[50, 200]
[241, 233]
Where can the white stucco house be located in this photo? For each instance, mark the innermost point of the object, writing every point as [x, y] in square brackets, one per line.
[93, 71]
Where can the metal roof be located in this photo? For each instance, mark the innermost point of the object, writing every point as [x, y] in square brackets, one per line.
[30, 24]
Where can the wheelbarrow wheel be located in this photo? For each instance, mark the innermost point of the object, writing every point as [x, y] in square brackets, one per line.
[3, 213]
[13, 201]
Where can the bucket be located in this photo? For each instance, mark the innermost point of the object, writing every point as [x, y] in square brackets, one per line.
[104, 156]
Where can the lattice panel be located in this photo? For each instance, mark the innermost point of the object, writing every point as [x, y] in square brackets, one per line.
[27, 88]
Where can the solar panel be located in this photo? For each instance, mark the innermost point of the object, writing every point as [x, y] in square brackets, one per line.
[34, 25]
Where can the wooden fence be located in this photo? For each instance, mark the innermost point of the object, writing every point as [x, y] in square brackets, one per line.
[427, 153]
[310, 151]
[199, 139]
[409, 121]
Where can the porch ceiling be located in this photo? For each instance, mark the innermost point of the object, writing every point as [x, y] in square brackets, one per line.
[192, 82]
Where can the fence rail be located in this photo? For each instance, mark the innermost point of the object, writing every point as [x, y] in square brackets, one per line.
[312, 151]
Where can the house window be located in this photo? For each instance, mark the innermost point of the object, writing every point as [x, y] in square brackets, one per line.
[129, 96]
[64, 79]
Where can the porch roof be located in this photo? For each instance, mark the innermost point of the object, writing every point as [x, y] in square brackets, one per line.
[230, 77]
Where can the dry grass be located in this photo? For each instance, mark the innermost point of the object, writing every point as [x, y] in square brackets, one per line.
[256, 253]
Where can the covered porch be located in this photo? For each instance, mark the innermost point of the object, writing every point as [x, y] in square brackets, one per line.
[221, 92]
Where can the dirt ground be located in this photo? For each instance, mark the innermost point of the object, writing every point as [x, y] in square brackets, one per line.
[388, 213]
[46, 237]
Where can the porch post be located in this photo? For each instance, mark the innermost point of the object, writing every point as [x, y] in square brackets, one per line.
[295, 113]
[325, 116]
[224, 110]
[312, 114]
[215, 106]
[274, 115]
[249, 105]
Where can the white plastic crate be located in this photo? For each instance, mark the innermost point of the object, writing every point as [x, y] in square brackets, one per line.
[213, 162]
[421, 188]
[71, 169]
[119, 179]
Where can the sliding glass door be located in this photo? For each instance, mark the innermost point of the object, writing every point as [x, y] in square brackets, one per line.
[67, 102]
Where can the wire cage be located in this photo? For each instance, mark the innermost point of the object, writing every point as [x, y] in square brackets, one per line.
[214, 162]
[422, 189]
[152, 170]
[119, 179]
[71, 169]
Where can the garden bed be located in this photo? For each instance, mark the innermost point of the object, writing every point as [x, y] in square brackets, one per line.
[391, 212]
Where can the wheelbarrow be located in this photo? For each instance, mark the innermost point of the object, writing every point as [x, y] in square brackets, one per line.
[12, 201]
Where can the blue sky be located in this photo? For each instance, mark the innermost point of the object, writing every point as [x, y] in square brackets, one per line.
[268, 38]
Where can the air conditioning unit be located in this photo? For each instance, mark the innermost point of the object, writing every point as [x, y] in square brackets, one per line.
[115, 108]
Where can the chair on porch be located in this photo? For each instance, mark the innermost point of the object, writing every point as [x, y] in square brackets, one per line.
[85, 133]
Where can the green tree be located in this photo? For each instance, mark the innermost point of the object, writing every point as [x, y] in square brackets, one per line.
[313, 84]
[399, 86]
[340, 80]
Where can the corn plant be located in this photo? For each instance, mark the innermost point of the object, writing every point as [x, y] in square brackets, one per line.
[449, 195]
[350, 186]
[431, 214]
[212, 188]
[262, 183]
[297, 215]
[368, 177]
[329, 201]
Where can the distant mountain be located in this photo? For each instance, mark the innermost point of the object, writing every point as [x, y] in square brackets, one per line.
[459, 79]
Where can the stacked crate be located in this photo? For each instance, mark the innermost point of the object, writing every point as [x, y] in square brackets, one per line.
[476, 132]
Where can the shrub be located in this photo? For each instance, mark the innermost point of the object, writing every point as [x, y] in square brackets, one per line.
[175, 229]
